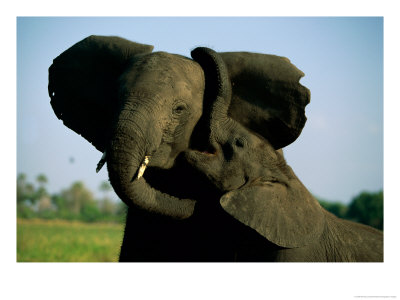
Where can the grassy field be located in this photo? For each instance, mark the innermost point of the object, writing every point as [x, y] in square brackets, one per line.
[66, 241]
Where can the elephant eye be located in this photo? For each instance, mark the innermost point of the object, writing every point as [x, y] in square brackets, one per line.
[179, 109]
[240, 142]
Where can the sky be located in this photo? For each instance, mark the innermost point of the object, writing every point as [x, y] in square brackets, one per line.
[340, 151]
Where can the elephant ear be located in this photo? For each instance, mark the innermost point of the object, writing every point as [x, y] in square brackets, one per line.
[287, 216]
[83, 84]
[267, 97]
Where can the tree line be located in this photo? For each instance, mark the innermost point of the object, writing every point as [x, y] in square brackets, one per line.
[78, 203]
[365, 208]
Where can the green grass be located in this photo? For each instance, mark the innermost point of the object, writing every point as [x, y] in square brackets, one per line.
[67, 241]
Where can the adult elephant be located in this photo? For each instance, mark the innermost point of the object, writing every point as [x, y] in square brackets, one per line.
[192, 147]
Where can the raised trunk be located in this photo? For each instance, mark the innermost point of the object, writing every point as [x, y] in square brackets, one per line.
[126, 153]
[218, 92]
[217, 95]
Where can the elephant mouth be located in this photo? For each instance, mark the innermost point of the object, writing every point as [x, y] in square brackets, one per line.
[182, 181]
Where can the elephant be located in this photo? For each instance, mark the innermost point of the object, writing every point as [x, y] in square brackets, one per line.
[194, 146]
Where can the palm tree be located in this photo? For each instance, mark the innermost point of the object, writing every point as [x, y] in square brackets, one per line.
[25, 190]
[41, 191]
[41, 179]
[77, 196]
[105, 187]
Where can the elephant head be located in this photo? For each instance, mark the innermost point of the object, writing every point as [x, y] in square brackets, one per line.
[137, 107]
[224, 114]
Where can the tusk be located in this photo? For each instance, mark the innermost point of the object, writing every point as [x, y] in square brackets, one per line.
[143, 166]
[101, 162]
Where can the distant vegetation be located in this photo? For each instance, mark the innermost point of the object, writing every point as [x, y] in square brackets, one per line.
[69, 226]
[366, 208]
[74, 203]
[78, 203]
[68, 241]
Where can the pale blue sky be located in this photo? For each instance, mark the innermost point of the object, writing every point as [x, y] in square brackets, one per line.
[338, 155]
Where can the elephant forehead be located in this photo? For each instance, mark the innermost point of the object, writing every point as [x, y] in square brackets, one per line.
[164, 76]
[183, 88]
[172, 68]
[162, 84]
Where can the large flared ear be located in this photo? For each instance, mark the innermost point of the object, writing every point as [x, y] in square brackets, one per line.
[83, 84]
[267, 97]
[287, 216]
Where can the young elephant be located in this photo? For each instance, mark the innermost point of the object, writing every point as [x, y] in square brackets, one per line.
[262, 192]
[192, 148]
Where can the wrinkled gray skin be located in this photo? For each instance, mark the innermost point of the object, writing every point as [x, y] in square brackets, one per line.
[216, 187]
[161, 106]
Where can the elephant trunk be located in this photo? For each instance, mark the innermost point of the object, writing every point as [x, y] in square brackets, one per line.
[218, 91]
[217, 97]
[130, 146]
[126, 151]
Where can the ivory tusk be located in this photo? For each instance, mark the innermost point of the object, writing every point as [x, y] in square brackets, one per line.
[143, 166]
[101, 163]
